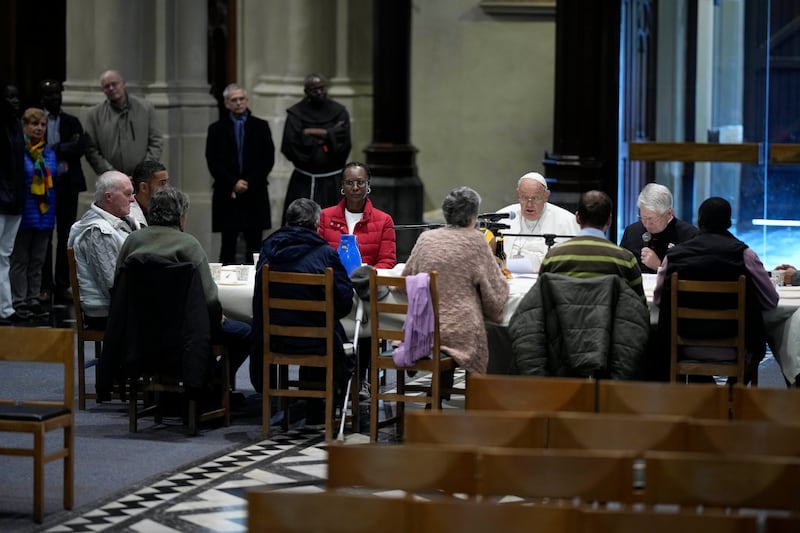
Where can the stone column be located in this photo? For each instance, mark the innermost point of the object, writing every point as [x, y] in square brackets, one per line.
[396, 188]
[160, 49]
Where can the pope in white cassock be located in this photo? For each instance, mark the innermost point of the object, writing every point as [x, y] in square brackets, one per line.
[533, 215]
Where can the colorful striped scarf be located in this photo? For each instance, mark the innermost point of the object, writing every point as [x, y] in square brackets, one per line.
[42, 181]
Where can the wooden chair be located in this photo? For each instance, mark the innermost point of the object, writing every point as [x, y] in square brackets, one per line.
[414, 468]
[724, 481]
[84, 333]
[616, 432]
[527, 393]
[269, 511]
[715, 291]
[158, 337]
[781, 406]
[743, 437]
[591, 475]
[282, 361]
[381, 360]
[462, 516]
[507, 429]
[45, 345]
[626, 521]
[650, 398]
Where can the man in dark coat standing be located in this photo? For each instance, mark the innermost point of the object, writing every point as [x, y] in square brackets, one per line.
[316, 139]
[66, 138]
[240, 155]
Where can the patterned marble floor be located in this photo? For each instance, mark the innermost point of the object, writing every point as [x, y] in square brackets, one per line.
[211, 496]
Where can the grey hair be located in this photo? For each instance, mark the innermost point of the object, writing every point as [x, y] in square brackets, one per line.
[167, 206]
[108, 181]
[304, 213]
[232, 87]
[655, 197]
[460, 206]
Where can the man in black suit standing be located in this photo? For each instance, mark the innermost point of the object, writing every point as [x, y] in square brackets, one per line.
[65, 136]
[240, 155]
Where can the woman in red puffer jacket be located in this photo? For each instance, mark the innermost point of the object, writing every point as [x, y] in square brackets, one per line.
[354, 214]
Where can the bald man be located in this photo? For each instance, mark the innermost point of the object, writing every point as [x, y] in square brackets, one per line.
[123, 130]
[97, 238]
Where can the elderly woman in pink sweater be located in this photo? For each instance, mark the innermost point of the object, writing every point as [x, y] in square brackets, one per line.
[471, 285]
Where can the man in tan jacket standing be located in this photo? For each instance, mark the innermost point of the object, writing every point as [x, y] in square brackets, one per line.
[123, 130]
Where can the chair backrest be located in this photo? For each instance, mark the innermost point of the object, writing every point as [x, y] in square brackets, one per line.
[317, 320]
[76, 290]
[719, 306]
[591, 475]
[766, 404]
[459, 516]
[270, 511]
[714, 480]
[652, 398]
[594, 431]
[744, 437]
[392, 330]
[528, 393]
[626, 521]
[508, 429]
[42, 345]
[415, 468]
[158, 321]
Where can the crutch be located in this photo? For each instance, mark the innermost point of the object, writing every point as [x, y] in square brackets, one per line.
[356, 332]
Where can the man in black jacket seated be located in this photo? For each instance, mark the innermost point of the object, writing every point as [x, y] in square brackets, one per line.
[297, 247]
[657, 229]
[714, 255]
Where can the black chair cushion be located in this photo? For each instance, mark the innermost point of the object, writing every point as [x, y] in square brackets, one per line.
[32, 413]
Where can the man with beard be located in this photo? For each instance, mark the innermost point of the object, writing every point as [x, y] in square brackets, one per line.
[316, 139]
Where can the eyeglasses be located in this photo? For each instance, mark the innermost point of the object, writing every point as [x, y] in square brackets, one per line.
[531, 199]
[648, 220]
[355, 183]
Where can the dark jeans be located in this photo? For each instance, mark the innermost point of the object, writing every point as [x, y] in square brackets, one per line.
[235, 336]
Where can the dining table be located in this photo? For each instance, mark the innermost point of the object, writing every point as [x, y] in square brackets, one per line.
[782, 323]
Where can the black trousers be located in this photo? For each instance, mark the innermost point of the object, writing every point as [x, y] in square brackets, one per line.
[227, 253]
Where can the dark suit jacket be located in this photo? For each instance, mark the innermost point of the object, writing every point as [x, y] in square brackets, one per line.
[248, 211]
[70, 149]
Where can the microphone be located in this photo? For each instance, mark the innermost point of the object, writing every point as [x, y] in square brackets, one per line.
[646, 238]
[494, 217]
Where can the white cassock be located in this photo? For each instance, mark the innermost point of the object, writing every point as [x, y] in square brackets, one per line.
[525, 254]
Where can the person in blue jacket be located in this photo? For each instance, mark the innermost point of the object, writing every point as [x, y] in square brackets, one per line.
[297, 247]
[38, 217]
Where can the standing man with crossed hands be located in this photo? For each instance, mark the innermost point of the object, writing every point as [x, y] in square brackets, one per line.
[240, 155]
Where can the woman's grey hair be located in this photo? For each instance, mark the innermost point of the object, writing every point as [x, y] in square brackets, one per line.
[304, 213]
[460, 206]
[655, 197]
[167, 206]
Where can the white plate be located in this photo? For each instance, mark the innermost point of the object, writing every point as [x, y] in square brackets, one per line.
[790, 288]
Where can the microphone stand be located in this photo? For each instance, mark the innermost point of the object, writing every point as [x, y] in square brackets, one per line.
[549, 238]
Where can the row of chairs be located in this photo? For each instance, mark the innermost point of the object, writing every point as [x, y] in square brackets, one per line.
[597, 431]
[729, 402]
[651, 478]
[383, 331]
[338, 512]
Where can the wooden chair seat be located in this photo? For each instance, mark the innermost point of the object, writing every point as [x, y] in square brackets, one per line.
[528, 393]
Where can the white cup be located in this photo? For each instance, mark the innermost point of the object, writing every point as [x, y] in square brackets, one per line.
[216, 270]
[777, 277]
[255, 258]
[242, 272]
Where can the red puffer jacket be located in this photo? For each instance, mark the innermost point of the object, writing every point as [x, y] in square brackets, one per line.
[374, 233]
